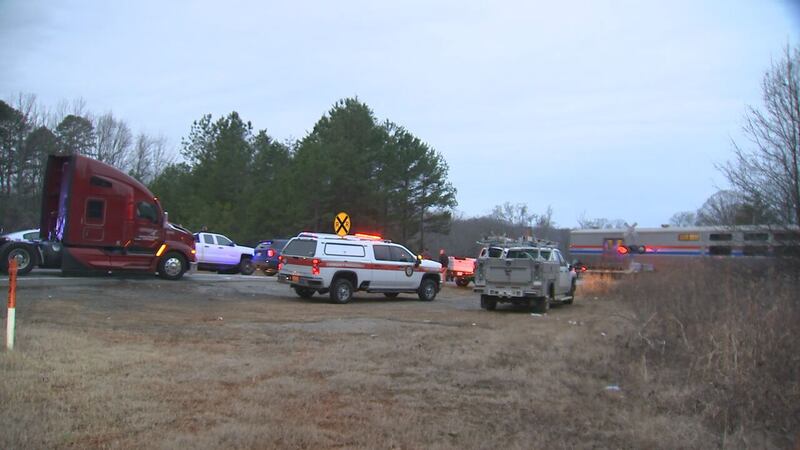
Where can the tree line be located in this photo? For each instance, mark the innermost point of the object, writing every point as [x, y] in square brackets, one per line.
[247, 184]
[29, 132]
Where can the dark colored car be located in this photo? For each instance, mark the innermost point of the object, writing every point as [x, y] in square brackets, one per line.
[266, 255]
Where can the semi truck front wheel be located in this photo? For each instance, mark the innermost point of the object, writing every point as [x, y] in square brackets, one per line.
[172, 266]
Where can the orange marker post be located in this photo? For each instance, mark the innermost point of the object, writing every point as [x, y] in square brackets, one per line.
[12, 303]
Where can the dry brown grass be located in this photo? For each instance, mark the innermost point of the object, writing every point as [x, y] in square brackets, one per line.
[596, 285]
[718, 342]
[150, 365]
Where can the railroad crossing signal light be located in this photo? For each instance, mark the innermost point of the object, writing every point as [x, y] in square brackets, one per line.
[631, 249]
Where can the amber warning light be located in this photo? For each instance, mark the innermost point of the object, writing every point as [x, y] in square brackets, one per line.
[368, 236]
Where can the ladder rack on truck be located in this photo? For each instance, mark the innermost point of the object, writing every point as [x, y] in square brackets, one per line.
[503, 241]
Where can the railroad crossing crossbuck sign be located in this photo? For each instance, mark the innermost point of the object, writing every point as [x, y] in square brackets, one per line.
[341, 224]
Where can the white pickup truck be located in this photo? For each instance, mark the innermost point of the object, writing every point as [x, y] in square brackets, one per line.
[217, 252]
[524, 273]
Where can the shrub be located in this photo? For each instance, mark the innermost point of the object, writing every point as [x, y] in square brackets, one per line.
[718, 339]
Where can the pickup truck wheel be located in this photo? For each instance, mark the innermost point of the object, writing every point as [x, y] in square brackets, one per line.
[571, 293]
[462, 282]
[172, 266]
[540, 305]
[427, 290]
[341, 291]
[246, 266]
[488, 303]
[304, 292]
[24, 255]
[391, 294]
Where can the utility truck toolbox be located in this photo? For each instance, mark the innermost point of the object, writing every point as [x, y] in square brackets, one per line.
[341, 265]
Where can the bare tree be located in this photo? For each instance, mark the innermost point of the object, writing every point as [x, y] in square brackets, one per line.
[683, 219]
[768, 172]
[148, 158]
[729, 208]
[586, 223]
[113, 140]
[516, 215]
[77, 107]
[544, 226]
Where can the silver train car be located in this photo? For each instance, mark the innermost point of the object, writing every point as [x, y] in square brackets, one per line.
[617, 249]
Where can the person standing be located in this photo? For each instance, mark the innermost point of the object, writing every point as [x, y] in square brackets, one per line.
[444, 261]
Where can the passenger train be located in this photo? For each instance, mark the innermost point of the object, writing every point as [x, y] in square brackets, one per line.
[651, 247]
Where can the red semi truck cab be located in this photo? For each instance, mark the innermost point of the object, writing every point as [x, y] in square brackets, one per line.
[101, 219]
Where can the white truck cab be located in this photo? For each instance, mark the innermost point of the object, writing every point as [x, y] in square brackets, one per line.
[217, 252]
[340, 265]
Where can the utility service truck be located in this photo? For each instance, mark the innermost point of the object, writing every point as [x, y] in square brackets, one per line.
[532, 273]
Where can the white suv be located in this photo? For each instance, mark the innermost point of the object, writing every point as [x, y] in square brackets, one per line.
[341, 265]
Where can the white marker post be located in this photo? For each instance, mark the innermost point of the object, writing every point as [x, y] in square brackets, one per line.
[12, 303]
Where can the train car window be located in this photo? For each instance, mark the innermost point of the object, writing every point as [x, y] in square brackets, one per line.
[784, 237]
[792, 251]
[754, 250]
[689, 237]
[756, 236]
[720, 237]
[723, 250]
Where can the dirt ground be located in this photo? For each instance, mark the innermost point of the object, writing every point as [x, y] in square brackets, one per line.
[238, 362]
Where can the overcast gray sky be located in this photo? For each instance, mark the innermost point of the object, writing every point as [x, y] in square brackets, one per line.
[615, 109]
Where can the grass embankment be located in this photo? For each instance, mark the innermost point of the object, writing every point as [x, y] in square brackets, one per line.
[717, 343]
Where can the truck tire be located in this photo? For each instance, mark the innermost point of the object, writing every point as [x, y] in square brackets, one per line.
[427, 290]
[246, 266]
[341, 291]
[541, 305]
[23, 253]
[462, 282]
[172, 266]
[488, 302]
[571, 293]
[304, 292]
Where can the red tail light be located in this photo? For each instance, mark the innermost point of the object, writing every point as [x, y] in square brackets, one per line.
[315, 266]
[281, 262]
[270, 253]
